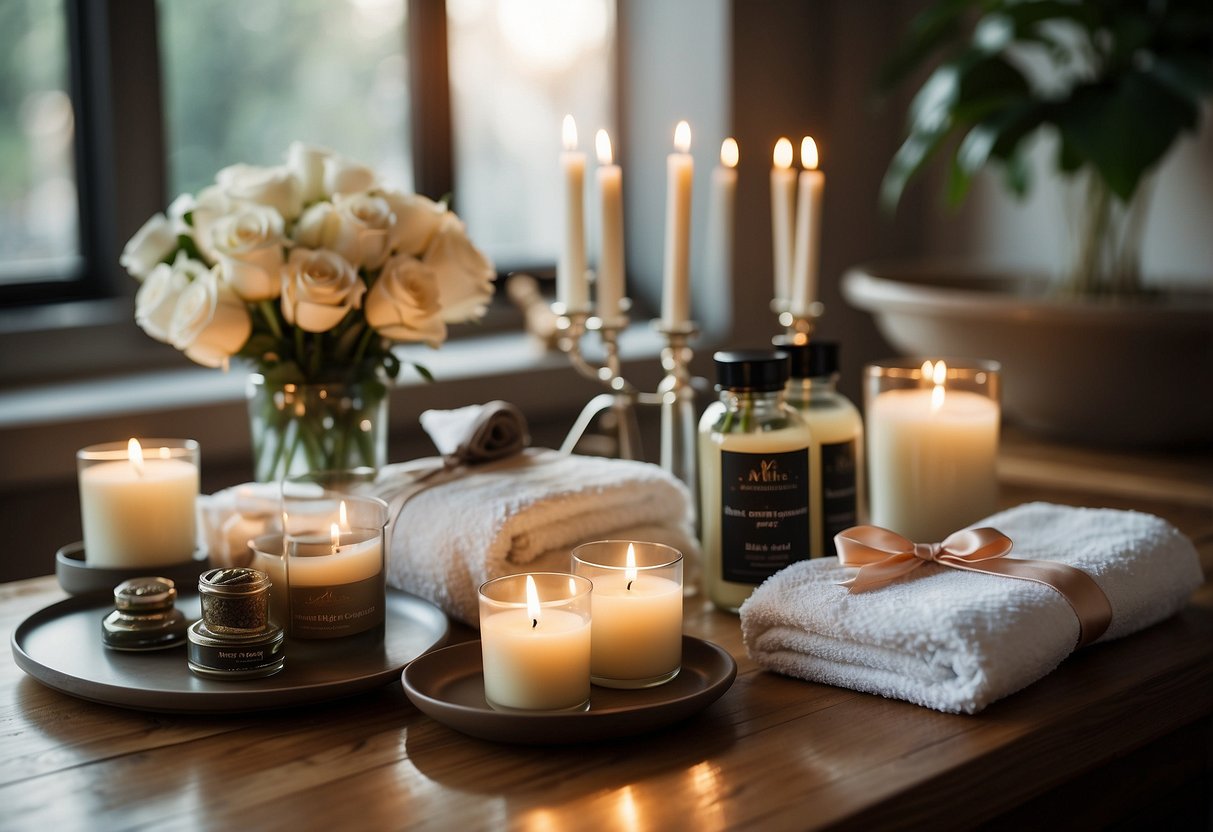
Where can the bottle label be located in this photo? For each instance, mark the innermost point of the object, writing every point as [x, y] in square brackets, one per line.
[839, 496]
[764, 513]
[337, 610]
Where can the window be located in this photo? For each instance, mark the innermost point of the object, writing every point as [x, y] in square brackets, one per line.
[167, 92]
[39, 211]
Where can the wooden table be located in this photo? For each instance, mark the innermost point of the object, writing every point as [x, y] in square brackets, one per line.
[1119, 730]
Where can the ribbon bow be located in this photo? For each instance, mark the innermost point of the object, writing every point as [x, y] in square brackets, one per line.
[883, 556]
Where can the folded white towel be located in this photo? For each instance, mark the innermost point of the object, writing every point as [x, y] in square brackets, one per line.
[954, 640]
[523, 513]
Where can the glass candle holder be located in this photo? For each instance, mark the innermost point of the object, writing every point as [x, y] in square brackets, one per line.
[335, 570]
[535, 642]
[137, 502]
[269, 556]
[932, 430]
[636, 641]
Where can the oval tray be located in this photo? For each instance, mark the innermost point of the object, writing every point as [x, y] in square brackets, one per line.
[61, 647]
[448, 685]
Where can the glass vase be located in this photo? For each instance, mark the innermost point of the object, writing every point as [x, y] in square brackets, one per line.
[302, 428]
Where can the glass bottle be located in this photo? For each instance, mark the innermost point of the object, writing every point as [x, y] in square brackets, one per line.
[836, 492]
[754, 477]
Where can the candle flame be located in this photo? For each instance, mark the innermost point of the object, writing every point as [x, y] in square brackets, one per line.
[783, 153]
[629, 571]
[165, 453]
[335, 530]
[938, 374]
[134, 452]
[682, 137]
[568, 133]
[602, 143]
[532, 601]
[808, 153]
[729, 153]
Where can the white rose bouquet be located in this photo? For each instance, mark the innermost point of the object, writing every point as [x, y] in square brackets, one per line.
[311, 271]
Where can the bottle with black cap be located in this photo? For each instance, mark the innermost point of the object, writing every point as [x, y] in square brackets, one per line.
[754, 477]
[836, 454]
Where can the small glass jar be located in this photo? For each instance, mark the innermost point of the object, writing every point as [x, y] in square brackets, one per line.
[144, 616]
[235, 638]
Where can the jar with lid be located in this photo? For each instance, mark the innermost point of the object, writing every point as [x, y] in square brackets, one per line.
[754, 477]
[145, 616]
[235, 638]
[836, 486]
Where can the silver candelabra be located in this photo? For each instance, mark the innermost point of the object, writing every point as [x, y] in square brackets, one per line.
[675, 394]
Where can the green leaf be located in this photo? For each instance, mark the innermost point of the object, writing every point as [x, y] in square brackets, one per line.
[1124, 127]
[927, 33]
[423, 371]
[1184, 75]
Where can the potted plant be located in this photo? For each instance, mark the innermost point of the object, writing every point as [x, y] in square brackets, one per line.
[1115, 83]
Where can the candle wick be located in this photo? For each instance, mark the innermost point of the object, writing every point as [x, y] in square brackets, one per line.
[534, 623]
[629, 584]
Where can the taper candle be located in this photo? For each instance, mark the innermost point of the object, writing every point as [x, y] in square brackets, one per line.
[806, 257]
[676, 302]
[609, 298]
[783, 196]
[571, 287]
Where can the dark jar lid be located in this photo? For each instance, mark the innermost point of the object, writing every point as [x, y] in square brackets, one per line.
[759, 370]
[150, 594]
[815, 359]
[233, 581]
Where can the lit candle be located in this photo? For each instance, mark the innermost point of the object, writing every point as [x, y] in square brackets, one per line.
[637, 633]
[571, 287]
[724, 190]
[806, 250]
[336, 581]
[676, 301]
[536, 650]
[783, 194]
[932, 452]
[610, 260]
[138, 510]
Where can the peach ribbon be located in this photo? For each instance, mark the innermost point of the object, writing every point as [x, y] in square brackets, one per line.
[882, 556]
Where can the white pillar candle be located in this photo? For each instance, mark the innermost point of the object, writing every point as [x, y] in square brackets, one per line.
[571, 287]
[138, 510]
[806, 256]
[783, 195]
[535, 657]
[932, 455]
[637, 632]
[676, 301]
[610, 259]
[724, 192]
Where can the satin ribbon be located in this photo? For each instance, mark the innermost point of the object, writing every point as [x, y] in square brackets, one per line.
[883, 556]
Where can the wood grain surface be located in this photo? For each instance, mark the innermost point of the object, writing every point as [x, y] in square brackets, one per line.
[1117, 731]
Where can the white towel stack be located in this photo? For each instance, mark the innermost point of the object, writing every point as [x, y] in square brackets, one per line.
[954, 640]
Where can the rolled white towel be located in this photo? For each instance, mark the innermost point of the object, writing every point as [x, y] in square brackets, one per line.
[955, 640]
[523, 513]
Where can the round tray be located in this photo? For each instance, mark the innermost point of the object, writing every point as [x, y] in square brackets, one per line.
[448, 685]
[61, 647]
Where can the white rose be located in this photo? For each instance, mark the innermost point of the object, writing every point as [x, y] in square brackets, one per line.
[307, 163]
[465, 275]
[276, 187]
[151, 244]
[248, 244]
[210, 206]
[403, 304]
[157, 298]
[210, 323]
[341, 176]
[318, 289]
[356, 226]
[417, 218]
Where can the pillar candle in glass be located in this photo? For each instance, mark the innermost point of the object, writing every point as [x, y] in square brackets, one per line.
[932, 429]
[636, 641]
[535, 642]
[138, 502]
[334, 564]
[269, 556]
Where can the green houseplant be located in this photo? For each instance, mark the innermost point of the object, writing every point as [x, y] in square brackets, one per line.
[1116, 81]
